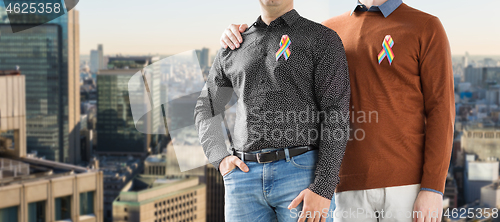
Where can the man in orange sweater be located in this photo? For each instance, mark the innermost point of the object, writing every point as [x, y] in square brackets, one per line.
[402, 112]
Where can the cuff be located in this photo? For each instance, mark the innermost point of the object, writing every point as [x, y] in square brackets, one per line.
[432, 190]
[323, 187]
[217, 162]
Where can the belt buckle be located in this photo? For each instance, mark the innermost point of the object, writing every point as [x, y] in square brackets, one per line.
[258, 155]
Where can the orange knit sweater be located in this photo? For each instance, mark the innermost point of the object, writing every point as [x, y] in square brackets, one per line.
[402, 113]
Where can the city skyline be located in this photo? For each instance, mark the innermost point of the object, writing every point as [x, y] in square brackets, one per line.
[174, 27]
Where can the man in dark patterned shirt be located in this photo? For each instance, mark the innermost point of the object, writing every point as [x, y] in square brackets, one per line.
[291, 80]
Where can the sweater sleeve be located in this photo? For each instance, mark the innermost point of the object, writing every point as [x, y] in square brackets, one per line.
[436, 75]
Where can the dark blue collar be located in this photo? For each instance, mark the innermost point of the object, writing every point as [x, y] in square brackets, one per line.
[387, 8]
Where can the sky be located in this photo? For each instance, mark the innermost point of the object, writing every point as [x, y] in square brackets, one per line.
[167, 27]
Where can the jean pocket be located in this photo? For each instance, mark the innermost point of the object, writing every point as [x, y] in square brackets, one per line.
[306, 160]
[230, 172]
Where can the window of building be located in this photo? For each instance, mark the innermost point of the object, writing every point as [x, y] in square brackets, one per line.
[63, 208]
[36, 212]
[8, 214]
[87, 203]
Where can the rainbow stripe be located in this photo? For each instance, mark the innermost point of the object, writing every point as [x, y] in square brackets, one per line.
[387, 51]
[284, 47]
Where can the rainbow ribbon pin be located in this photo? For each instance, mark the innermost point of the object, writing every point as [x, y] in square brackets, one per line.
[387, 51]
[284, 47]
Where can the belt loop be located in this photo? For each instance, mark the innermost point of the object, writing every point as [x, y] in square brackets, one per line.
[287, 155]
[243, 156]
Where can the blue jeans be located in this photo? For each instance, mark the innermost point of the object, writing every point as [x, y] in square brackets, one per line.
[264, 193]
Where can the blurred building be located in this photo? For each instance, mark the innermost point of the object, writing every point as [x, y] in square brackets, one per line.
[34, 189]
[97, 59]
[118, 171]
[215, 194]
[479, 76]
[42, 190]
[203, 57]
[49, 57]
[451, 192]
[490, 195]
[485, 143]
[478, 174]
[116, 130]
[156, 198]
[12, 113]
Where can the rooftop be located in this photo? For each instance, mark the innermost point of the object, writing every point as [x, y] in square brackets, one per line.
[14, 170]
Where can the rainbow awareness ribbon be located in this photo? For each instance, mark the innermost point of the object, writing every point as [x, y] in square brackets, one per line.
[284, 47]
[387, 51]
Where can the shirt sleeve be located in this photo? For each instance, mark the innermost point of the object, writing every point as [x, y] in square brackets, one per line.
[332, 91]
[209, 111]
[436, 74]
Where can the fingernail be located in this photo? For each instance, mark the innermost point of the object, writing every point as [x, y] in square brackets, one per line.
[237, 45]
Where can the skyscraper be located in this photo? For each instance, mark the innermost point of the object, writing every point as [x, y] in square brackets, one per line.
[48, 55]
[94, 61]
[97, 59]
[203, 57]
[116, 131]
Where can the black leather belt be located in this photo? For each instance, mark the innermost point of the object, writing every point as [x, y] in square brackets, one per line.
[271, 156]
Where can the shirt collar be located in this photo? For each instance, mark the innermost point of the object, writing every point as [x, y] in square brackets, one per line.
[387, 8]
[288, 18]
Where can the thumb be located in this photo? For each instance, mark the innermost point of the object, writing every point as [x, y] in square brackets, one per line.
[243, 27]
[243, 167]
[296, 201]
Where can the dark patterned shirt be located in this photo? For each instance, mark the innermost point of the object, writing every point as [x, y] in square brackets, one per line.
[299, 97]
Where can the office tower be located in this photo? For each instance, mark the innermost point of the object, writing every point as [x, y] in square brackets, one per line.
[12, 114]
[100, 52]
[203, 57]
[116, 132]
[484, 143]
[118, 171]
[50, 63]
[490, 195]
[94, 61]
[97, 59]
[156, 198]
[41, 190]
[478, 174]
[215, 194]
[33, 189]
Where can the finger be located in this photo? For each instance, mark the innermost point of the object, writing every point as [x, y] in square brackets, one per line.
[418, 216]
[233, 34]
[324, 216]
[243, 27]
[240, 164]
[295, 202]
[427, 218]
[302, 217]
[317, 217]
[223, 44]
[228, 41]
